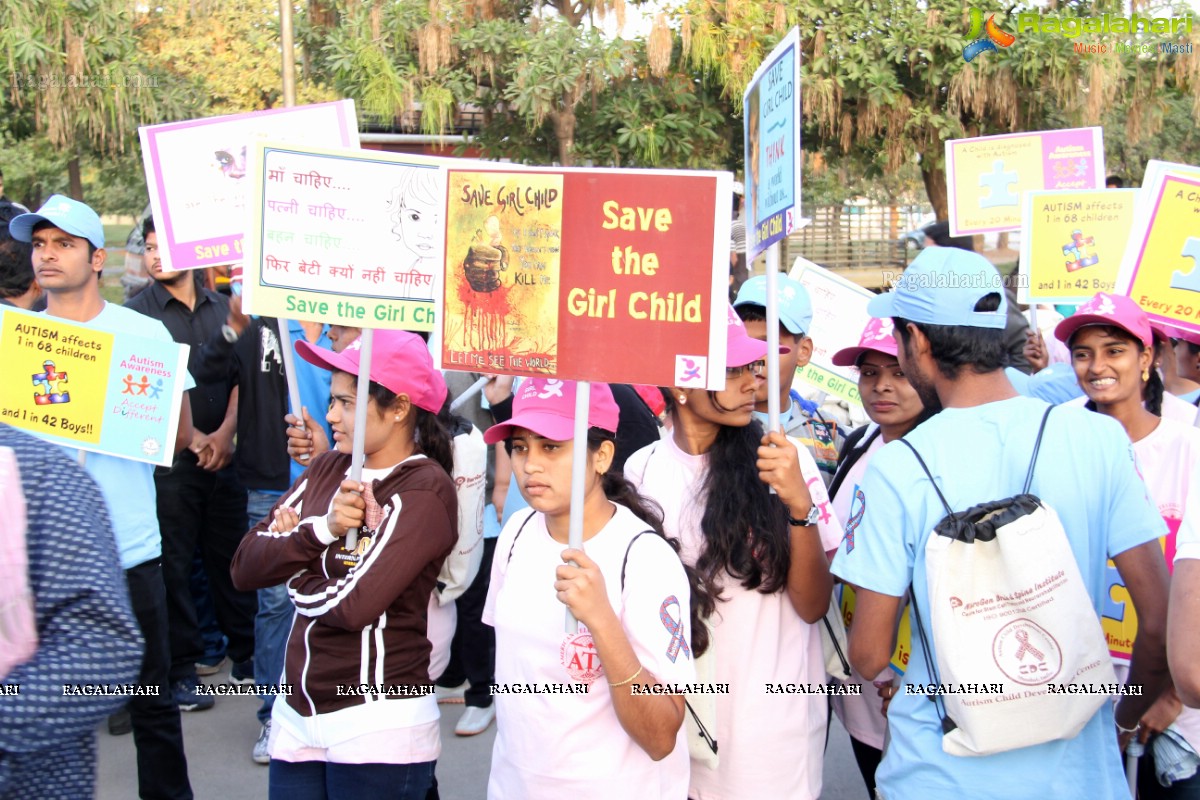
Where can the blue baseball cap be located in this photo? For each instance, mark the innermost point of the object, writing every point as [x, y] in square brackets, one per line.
[795, 307]
[941, 287]
[69, 215]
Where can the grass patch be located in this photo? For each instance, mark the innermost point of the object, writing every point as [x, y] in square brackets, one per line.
[112, 290]
[115, 235]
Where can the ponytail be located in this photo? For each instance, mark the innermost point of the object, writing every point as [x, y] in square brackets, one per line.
[618, 489]
[1152, 393]
[434, 440]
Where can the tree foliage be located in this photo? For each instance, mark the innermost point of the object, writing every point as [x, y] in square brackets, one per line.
[888, 76]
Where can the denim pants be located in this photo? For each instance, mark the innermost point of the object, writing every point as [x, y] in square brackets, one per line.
[273, 621]
[322, 780]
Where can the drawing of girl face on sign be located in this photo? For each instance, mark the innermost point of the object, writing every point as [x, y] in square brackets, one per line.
[231, 161]
[414, 213]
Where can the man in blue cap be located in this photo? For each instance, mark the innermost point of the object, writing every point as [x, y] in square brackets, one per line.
[68, 259]
[949, 313]
[801, 419]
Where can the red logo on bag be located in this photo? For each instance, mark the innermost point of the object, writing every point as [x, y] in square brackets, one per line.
[579, 657]
[1027, 653]
[955, 602]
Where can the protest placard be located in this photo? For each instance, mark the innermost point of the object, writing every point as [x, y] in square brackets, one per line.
[109, 392]
[347, 237]
[986, 175]
[196, 174]
[839, 316]
[1118, 617]
[1159, 269]
[771, 120]
[1072, 243]
[588, 274]
[848, 601]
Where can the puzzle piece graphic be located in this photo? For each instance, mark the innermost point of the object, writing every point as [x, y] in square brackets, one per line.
[999, 182]
[1189, 281]
[1077, 250]
[1063, 169]
[49, 386]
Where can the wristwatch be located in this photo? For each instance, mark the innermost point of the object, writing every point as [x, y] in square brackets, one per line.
[229, 333]
[811, 519]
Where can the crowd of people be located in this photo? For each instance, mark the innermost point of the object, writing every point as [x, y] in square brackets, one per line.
[736, 585]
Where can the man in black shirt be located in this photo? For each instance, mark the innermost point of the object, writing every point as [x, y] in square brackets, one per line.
[249, 351]
[200, 500]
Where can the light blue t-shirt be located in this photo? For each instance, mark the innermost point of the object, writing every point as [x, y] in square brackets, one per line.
[128, 486]
[1055, 384]
[314, 385]
[1086, 472]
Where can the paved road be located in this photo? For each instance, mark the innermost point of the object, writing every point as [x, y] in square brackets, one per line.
[219, 741]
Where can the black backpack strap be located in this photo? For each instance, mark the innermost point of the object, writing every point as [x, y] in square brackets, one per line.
[1036, 447]
[929, 475]
[939, 703]
[704, 732]
[518, 536]
[625, 560]
[852, 451]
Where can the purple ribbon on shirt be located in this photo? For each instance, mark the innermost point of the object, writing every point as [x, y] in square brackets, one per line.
[674, 627]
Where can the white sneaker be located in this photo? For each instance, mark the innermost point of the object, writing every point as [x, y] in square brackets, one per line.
[475, 720]
[452, 695]
[261, 756]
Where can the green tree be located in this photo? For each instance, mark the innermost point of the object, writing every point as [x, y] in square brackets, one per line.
[549, 85]
[74, 78]
[888, 76]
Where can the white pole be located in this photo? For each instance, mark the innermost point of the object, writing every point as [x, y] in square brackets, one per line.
[360, 419]
[583, 398]
[289, 368]
[773, 338]
[470, 392]
[1133, 751]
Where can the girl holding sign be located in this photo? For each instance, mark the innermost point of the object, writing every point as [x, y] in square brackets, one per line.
[1112, 350]
[361, 719]
[763, 557]
[895, 409]
[593, 713]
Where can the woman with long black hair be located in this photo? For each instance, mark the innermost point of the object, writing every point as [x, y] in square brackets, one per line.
[1112, 350]
[578, 714]
[361, 719]
[755, 521]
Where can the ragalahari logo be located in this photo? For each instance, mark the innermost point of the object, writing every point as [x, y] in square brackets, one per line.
[985, 36]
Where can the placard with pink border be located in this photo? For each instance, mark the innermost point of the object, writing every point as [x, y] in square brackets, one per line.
[196, 173]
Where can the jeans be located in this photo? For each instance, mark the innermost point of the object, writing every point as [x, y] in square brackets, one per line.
[157, 734]
[273, 622]
[197, 507]
[473, 650]
[321, 780]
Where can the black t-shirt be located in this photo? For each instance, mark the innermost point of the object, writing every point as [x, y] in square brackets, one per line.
[192, 327]
[255, 362]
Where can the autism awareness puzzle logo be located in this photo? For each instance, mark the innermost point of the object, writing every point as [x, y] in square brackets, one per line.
[983, 36]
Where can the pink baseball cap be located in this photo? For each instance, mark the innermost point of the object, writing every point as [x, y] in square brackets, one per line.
[1173, 332]
[742, 348]
[1114, 310]
[400, 361]
[546, 406]
[876, 336]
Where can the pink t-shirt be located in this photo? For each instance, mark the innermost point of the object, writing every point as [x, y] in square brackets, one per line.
[1168, 460]
[861, 715]
[572, 745]
[771, 745]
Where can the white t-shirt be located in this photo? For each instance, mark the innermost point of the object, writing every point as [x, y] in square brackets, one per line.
[1187, 541]
[1169, 459]
[861, 715]
[554, 744]
[771, 745]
